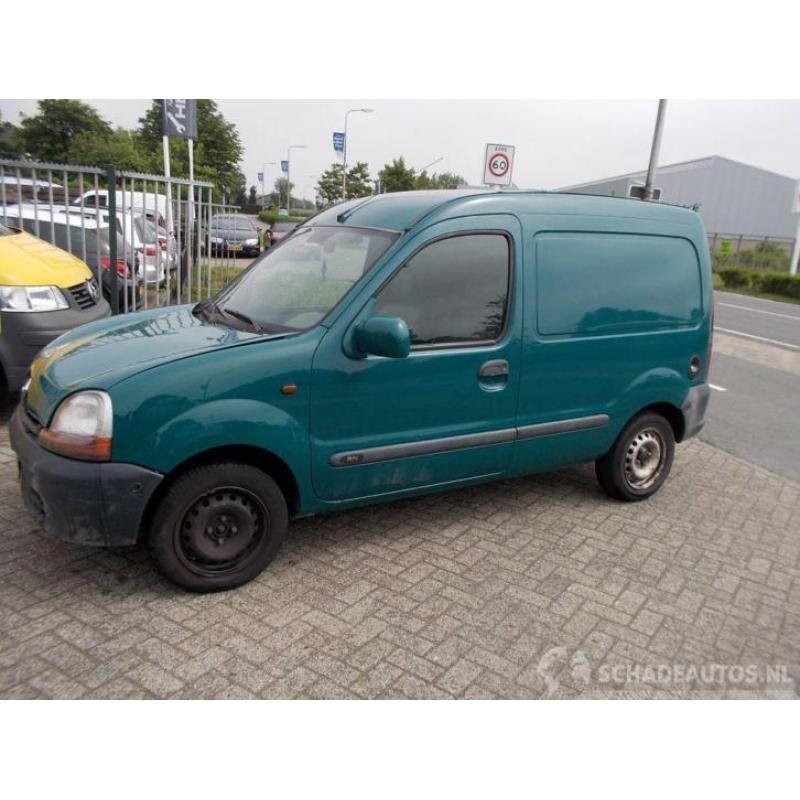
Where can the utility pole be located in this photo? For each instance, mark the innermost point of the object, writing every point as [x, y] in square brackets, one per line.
[344, 149]
[654, 150]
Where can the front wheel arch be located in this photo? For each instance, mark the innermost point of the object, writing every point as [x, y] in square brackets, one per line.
[266, 461]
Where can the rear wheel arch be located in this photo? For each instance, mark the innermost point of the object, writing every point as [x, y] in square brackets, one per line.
[671, 413]
[266, 461]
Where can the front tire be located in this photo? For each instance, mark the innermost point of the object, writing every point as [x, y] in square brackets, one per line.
[217, 527]
[636, 467]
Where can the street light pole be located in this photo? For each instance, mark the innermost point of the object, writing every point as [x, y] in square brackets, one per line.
[289, 173]
[344, 150]
[654, 150]
[264, 181]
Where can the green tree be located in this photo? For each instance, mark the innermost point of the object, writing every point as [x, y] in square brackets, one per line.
[217, 151]
[121, 148]
[359, 183]
[253, 197]
[47, 135]
[446, 180]
[282, 188]
[397, 177]
[10, 140]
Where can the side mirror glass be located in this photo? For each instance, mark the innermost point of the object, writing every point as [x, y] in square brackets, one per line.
[383, 336]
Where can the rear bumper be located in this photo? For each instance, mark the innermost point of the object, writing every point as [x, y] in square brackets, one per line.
[694, 409]
[80, 501]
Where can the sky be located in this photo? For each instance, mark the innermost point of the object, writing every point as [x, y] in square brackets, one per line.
[558, 142]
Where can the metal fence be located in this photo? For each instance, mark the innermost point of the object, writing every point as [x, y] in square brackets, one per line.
[756, 252]
[147, 238]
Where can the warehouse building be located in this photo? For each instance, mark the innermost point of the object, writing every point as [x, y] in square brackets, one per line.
[736, 201]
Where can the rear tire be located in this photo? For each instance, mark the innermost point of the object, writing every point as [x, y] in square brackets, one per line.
[640, 460]
[217, 527]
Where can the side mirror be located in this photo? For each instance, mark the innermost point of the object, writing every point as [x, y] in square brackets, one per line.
[383, 336]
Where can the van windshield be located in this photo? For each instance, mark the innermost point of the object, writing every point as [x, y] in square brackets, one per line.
[293, 286]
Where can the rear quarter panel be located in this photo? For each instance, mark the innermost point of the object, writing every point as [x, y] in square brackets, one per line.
[583, 372]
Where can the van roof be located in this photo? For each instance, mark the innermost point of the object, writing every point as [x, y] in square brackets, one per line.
[401, 211]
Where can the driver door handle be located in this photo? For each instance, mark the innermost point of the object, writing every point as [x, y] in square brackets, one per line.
[497, 368]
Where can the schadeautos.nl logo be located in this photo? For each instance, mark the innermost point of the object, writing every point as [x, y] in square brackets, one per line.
[559, 666]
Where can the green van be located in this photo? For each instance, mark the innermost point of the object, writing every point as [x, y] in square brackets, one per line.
[391, 346]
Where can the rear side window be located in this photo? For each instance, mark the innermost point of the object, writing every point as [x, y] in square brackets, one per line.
[607, 283]
[453, 291]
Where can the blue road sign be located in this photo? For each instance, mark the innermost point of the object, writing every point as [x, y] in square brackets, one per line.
[338, 142]
[261, 177]
[284, 166]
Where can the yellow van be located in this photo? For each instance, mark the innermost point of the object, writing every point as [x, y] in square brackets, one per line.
[44, 291]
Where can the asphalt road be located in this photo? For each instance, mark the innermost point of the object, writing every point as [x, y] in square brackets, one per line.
[755, 372]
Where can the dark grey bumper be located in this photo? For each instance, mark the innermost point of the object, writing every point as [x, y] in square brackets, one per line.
[80, 501]
[24, 335]
[694, 409]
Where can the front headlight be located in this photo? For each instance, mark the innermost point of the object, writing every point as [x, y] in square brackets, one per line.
[31, 298]
[217, 240]
[81, 427]
[251, 242]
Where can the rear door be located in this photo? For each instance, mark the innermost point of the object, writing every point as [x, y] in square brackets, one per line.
[446, 413]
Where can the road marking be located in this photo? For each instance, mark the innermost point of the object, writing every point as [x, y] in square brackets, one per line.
[761, 311]
[718, 388]
[758, 338]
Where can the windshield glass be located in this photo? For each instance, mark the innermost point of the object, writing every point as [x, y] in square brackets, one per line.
[232, 224]
[295, 285]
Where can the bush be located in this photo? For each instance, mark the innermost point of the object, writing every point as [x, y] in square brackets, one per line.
[271, 217]
[781, 284]
[734, 277]
[777, 283]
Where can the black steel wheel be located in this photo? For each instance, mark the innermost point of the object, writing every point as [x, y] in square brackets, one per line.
[217, 527]
[640, 460]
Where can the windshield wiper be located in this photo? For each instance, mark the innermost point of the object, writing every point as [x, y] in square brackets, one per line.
[244, 318]
[207, 305]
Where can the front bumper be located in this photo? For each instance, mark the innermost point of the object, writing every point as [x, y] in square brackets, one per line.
[694, 409]
[80, 501]
[24, 335]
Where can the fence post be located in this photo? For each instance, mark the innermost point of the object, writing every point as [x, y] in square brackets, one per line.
[111, 180]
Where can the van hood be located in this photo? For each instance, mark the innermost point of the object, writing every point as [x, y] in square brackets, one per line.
[28, 261]
[101, 354]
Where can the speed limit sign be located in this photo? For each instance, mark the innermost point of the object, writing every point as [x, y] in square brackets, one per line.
[498, 165]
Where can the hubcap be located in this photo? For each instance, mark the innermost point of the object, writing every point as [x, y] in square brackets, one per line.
[644, 458]
[219, 529]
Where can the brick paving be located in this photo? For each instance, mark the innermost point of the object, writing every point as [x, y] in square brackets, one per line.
[537, 587]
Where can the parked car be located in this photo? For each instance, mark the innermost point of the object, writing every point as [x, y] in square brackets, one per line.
[143, 244]
[15, 189]
[152, 204]
[83, 237]
[404, 344]
[280, 230]
[233, 234]
[43, 293]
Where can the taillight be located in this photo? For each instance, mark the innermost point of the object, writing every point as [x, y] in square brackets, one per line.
[148, 249]
[122, 267]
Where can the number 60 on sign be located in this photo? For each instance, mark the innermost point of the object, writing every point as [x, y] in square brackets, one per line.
[498, 164]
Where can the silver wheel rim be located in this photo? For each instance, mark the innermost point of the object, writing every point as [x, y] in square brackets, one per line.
[644, 458]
